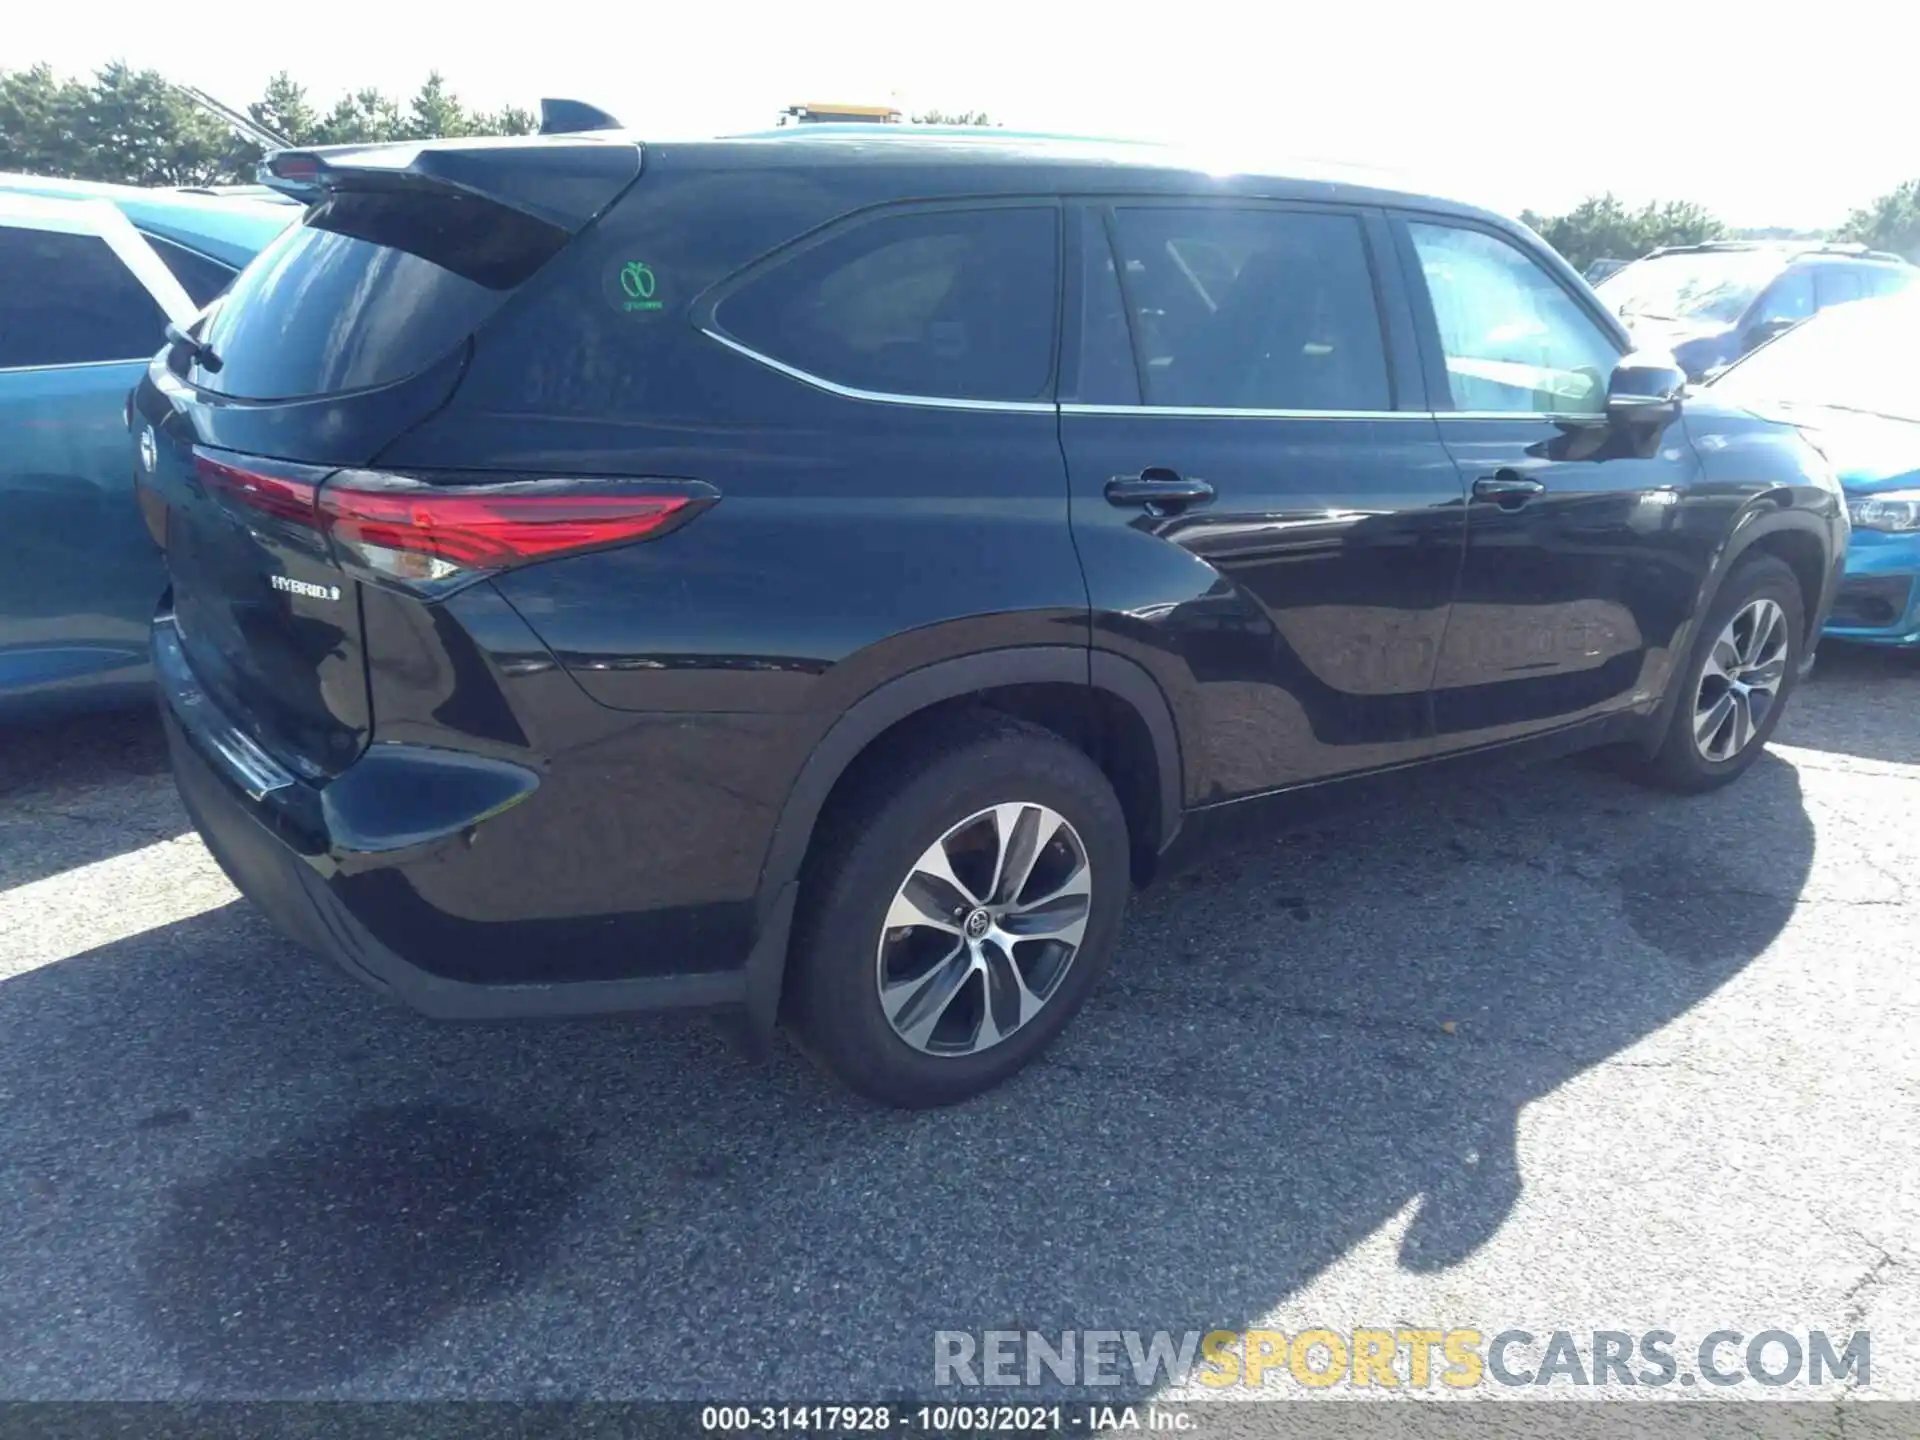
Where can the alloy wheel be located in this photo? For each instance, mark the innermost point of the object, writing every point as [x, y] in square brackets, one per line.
[1741, 680]
[983, 929]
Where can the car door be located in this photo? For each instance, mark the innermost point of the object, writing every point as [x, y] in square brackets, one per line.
[1580, 567]
[78, 574]
[1265, 516]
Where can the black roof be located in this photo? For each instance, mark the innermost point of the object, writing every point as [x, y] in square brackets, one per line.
[960, 160]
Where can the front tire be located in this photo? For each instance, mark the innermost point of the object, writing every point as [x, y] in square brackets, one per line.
[963, 902]
[1744, 665]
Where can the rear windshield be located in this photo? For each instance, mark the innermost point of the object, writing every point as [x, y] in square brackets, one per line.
[372, 288]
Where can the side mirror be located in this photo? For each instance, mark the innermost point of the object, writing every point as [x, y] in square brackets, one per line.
[1646, 388]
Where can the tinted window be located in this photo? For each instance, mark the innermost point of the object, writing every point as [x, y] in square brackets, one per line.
[1512, 337]
[954, 303]
[1252, 309]
[1836, 284]
[1788, 298]
[68, 300]
[201, 278]
[371, 289]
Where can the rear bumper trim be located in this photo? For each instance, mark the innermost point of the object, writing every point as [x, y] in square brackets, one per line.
[257, 773]
[243, 802]
[298, 900]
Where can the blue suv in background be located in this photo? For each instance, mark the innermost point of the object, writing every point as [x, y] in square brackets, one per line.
[1710, 304]
[90, 277]
[1850, 381]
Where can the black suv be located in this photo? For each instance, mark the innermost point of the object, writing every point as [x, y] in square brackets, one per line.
[1709, 304]
[823, 576]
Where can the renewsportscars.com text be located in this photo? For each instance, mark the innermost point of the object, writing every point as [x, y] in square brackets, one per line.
[1401, 1357]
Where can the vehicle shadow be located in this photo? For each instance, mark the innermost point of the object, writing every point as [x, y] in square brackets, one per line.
[1861, 700]
[82, 789]
[232, 1172]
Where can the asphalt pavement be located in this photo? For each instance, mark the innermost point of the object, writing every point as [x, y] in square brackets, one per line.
[1530, 1048]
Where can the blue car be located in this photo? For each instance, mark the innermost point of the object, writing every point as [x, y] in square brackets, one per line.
[90, 277]
[1710, 304]
[1850, 379]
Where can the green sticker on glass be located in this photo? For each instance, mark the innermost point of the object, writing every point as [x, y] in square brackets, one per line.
[637, 287]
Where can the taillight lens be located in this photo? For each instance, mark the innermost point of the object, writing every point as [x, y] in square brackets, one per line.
[432, 537]
[272, 487]
[435, 533]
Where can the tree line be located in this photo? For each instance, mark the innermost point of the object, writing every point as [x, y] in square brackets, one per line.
[132, 126]
[1603, 227]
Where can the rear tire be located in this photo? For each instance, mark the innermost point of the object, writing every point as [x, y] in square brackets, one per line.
[977, 980]
[1752, 636]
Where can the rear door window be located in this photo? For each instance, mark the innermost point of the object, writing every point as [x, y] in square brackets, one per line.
[950, 303]
[203, 279]
[371, 289]
[1250, 309]
[67, 299]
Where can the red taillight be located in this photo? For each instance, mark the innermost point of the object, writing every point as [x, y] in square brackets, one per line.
[487, 530]
[427, 534]
[433, 535]
[285, 492]
[288, 166]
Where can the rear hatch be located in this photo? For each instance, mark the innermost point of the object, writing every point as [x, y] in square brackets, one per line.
[342, 335]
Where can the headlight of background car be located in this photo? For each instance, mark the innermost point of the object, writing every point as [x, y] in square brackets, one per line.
[1895, 510]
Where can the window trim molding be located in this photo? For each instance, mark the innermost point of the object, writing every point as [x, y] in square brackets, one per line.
[878, 397]
[1172, 412]
[72, 365]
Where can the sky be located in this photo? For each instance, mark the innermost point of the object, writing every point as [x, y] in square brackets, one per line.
[1780, 119]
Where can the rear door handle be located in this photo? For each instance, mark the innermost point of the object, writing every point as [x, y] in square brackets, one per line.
[1159, 491]
[1507, 488]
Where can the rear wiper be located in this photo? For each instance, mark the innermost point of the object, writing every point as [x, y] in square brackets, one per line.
[200, 352]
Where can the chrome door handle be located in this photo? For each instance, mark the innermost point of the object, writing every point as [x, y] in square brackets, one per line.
[1159, 491]
[1507, 489]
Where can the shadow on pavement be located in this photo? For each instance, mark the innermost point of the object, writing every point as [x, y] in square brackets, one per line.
[80, 790]
[238, 1173]
[80, 751]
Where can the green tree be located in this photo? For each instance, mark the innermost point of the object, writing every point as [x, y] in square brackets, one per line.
[435, 111]
[132, 126]
[37, 113]
[284, 109]
[1890, 223]
[954, 117]
[365, 117]
[507, 120]
[1602, 227]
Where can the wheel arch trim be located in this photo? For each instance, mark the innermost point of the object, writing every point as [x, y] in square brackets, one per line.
[899, 699]
[1755, 525]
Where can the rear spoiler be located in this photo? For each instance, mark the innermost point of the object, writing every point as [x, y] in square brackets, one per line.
[564, 177]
